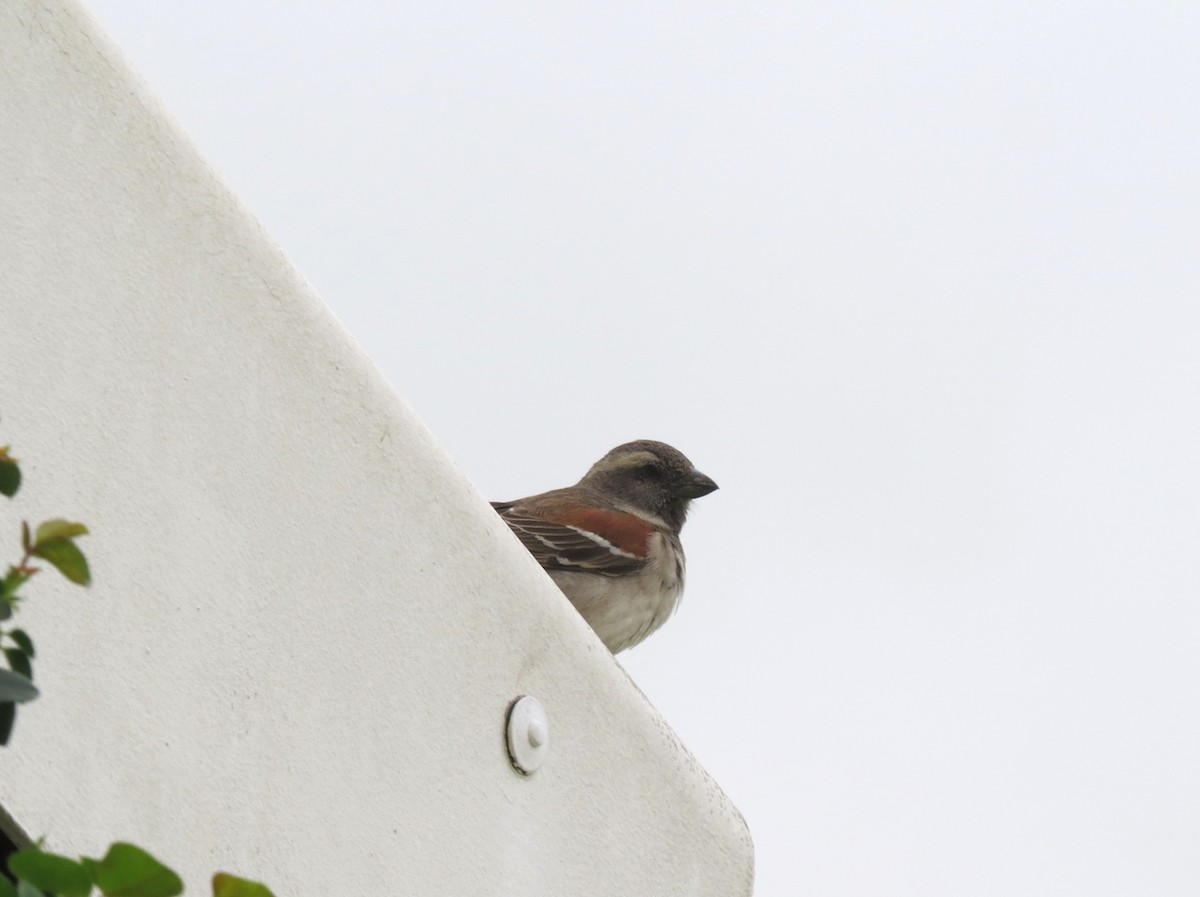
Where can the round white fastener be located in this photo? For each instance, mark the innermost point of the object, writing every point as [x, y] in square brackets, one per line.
[528, 734]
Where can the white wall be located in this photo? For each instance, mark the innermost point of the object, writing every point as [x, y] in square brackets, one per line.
[306, 625]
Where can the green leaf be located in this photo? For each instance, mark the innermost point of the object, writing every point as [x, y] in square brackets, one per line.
[25, 889]
[8, 716]
[21, 637]
[58, 529]
[26, 541]
[6, 888]
[66, 556]
[19, 661]
[128, 871]
[10, 474]
[51, 872]
[15, 687]
[12, 582]
[226, 885]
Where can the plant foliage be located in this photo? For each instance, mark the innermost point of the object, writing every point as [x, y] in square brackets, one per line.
[126, 870]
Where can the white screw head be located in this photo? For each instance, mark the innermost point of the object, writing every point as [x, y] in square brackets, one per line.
[528, 734]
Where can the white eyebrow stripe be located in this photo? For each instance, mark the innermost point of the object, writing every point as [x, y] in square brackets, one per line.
[600, 540]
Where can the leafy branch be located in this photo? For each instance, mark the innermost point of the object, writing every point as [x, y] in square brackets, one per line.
[54, 543]
[126, 870]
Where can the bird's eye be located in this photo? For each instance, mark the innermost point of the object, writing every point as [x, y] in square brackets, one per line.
[652, 472]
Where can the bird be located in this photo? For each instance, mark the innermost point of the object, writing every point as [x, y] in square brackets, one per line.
[611, 541]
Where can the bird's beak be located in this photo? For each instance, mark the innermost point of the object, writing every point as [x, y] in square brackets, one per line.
[696, 484]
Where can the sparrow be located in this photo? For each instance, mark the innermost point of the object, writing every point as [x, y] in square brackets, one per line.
[611, 541]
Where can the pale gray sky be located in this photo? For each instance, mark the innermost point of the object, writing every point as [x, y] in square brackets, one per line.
[917, 284]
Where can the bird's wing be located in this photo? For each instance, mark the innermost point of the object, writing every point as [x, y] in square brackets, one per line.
[588, 540]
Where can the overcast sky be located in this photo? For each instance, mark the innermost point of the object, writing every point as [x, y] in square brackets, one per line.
[917, 284]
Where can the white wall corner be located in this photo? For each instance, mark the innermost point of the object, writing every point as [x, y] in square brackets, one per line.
[306, 625]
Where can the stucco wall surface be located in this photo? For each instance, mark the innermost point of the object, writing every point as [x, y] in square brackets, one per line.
[306, 625]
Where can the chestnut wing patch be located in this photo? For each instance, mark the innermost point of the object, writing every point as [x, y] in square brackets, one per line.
[609, 543]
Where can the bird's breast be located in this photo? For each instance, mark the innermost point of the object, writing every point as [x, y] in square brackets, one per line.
[624, 609]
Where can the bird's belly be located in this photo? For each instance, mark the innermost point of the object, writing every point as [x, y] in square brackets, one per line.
[622, 610]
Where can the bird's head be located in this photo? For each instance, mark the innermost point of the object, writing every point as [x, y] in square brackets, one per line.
[651, 476]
